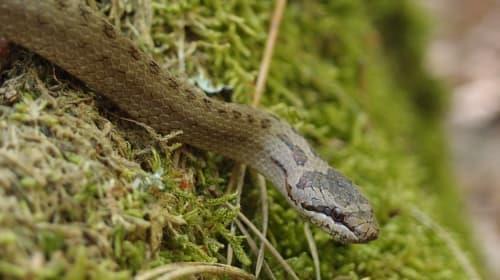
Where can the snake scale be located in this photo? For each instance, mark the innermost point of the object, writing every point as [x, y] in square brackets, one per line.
[72, 36]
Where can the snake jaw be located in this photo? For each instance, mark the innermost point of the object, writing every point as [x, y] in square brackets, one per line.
[334, 203]
[345, 227]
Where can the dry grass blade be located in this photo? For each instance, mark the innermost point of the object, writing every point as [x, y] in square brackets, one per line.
[261, 183]
[268, 244]
[183, 269]
[253, 246]
[314, 250]
[268, 52]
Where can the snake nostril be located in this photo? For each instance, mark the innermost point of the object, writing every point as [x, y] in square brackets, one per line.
[367, 232]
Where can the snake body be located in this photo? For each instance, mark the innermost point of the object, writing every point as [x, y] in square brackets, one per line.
[73, 37]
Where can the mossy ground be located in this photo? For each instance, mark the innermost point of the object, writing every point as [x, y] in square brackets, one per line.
[85, 193]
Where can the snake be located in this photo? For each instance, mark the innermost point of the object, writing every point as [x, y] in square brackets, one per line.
[77, 39]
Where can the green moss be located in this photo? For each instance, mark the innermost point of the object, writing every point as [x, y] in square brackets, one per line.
[83, 196]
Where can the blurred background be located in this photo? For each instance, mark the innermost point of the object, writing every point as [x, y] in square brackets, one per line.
[466, 53]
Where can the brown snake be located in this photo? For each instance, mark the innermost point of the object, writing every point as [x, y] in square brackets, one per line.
[72, 36]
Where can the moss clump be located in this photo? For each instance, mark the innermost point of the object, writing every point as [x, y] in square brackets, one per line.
[83, 196]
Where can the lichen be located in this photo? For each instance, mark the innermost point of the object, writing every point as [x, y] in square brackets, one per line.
[87, 194]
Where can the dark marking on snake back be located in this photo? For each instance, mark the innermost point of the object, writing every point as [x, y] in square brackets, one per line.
[221, 111]
[280, 166]
[194, 124]
[173, 83]
[84, 13]
[154, 67]
[207, 102]
[237, 114]
[190, 94]
[61, 4]
[109, 30]
[297, 153]
[265, 123]
[250, 119]
[134, 52]
[41, 21]
[102, 58]
[121, 71]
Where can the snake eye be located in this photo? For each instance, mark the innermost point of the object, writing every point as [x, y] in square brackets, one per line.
[337, 215]
[334, 212]
[321, 209]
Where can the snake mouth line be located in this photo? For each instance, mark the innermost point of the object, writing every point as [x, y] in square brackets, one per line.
[333, 213]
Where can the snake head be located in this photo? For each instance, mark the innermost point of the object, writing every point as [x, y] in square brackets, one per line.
[333, 202]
